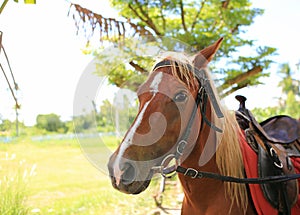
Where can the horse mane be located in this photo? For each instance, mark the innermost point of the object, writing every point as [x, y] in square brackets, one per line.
[228, 154]
[179, 68]
[230, 161]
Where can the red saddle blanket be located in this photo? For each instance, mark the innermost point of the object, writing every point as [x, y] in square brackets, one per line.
[263, 207]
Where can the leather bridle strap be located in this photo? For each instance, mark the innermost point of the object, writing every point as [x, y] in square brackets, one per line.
[200, 174]
[203, 114]
[181, 144]
[184, 138]
[200, 101]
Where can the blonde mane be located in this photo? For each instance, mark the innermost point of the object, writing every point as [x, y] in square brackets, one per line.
[179, 67]
[230, 161]
[228, 155]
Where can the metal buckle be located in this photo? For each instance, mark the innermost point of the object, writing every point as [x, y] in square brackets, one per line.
[191, 172]
[165, 171]
[181, 146]
[201, 89]
[275, 157]
[249, 136]
[168, 172]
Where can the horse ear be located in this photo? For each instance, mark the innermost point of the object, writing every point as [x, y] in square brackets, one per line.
[206, 55]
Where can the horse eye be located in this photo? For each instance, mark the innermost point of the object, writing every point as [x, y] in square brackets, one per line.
[180, 97]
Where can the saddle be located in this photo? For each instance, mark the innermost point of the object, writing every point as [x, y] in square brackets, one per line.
[275, 141]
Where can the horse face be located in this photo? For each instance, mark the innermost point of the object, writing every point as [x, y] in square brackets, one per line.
[165, 107]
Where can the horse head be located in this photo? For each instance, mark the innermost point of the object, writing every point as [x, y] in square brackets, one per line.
[166, 102]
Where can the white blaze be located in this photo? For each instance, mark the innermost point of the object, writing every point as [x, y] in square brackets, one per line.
[129, 136]
[155, 83]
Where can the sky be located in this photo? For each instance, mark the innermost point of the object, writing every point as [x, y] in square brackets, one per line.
[47, 60]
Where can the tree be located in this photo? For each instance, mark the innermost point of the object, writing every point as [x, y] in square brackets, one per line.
[84, 122]
[105, 119]
[291, 91]
[288, 83]
[7, 128]
[289, 102]
[5, 125]
[50, 122]
[196, 23]
[116, 117]
[291, 108]
[292, 105]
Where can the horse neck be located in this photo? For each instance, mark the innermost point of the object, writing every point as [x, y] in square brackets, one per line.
[200, 194]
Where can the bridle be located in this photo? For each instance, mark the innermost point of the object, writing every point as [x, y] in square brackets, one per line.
[204, 92]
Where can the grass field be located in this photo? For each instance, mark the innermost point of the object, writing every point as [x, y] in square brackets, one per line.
[58, 179]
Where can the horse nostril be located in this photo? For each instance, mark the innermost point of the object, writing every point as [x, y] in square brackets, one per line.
[129, 173]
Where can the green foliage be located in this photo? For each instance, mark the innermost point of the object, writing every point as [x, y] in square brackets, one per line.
[197, 24]
[84, 122]
[292, 105]
[50, 122]
[109, 119]
[237, 78]
[292, 108]
[289, 103]
[262, 114]
[133, 52]
[105, 120]
[8, 128]
[6, 125]
[288, 83]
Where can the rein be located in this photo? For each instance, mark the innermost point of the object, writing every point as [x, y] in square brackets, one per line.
[200, 174]
[201, 101]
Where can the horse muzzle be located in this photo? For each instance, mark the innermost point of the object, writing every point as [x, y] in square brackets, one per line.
[129, 176]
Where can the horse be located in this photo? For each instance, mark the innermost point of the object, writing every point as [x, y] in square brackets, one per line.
[180, 117]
